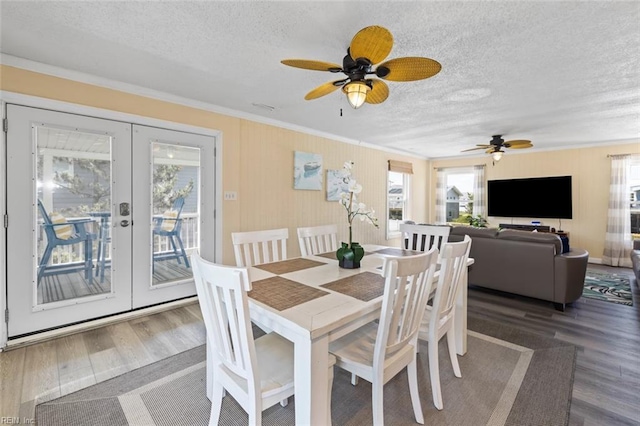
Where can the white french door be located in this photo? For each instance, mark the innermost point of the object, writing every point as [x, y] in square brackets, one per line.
[93, 226]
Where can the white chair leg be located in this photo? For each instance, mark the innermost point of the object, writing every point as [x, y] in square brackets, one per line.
[217, 392]
[377, 401]
[451, 344]
[330, 388]
[284, 402]
[354, 379]
[255, 413]
[434, 374]
[412, 373]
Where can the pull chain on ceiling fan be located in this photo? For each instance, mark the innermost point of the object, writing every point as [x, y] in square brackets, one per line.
[497, 143]
[370, 46]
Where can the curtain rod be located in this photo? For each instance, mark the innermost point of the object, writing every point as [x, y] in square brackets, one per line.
[461, 167]
[621, 155]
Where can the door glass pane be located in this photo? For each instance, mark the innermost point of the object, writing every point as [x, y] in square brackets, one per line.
[73, 192]
[176, 211]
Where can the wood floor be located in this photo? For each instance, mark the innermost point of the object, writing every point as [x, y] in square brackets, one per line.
[606, 389]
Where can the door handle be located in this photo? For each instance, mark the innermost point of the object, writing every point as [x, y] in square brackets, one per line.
[124, 223]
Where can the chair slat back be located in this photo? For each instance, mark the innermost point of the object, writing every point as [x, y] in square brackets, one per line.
[408, 282]
[318, 239]
[423, 237]
[258, 247]
[222, 293]
[453, 262]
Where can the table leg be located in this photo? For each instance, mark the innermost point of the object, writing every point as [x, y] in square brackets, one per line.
[312, 381]
[460, 319]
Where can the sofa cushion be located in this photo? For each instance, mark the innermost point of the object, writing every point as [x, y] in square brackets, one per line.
[474, 232]
[534, 237]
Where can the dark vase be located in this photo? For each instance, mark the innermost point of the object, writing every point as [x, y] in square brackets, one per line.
[349, 264]
[349, 255]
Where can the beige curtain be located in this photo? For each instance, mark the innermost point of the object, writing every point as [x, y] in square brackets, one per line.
[618, 244]
[441, 197]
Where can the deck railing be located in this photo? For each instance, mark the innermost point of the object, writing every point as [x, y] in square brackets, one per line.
[62, 255]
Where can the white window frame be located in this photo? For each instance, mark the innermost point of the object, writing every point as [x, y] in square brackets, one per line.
[456, 171]
[392, 232]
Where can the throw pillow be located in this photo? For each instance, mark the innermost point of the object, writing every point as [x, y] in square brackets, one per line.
[169, 220]
[64, 232]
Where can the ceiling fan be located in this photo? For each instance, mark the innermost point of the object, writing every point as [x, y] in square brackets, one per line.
[370, 46]
[496, 144]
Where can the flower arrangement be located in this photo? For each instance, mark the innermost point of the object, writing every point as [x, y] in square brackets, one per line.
[350, 254]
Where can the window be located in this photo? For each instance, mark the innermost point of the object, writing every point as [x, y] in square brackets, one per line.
[397, 200]
[459, 196]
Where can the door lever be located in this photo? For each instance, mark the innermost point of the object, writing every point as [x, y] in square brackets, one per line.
[124, 223]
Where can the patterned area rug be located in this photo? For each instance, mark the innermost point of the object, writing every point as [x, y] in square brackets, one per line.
[510, 378]
[607, 286]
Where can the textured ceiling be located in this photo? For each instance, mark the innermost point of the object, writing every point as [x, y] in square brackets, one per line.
[557, 73]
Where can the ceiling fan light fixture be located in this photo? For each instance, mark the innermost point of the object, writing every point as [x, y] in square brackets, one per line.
[497, 155]
[356, 93]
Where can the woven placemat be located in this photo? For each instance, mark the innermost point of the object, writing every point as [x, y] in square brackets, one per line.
[398, 252]
[291, 265]
[281, 293]
[329, 255]
[364, 286]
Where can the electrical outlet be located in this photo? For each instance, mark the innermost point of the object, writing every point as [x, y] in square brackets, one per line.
[230, 195]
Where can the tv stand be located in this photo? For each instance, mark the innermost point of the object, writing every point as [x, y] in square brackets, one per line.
[539, 228]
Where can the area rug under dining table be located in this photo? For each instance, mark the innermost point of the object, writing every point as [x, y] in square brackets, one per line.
[509, 377]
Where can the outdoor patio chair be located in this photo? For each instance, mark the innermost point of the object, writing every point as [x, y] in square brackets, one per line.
[170, 225]
[61, 231]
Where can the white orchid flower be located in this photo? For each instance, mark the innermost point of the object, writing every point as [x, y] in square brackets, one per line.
[355, 187]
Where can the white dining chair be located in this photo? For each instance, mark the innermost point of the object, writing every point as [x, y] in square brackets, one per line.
[256, 373]
[438, 318]
[377, 352]
[318, 239]
[258, 247]
[423, 237]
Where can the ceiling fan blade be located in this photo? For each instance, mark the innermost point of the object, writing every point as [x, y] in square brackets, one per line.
[322, 90]
[492, 150]
[373, 43]
[473, 149]
[379, 92]
[519, 146]
[312, 65]
[408, 69]
[511, 144]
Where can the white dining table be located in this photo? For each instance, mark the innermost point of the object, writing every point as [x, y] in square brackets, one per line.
[311, 325]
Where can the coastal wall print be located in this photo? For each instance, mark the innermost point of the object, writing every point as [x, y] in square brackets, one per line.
[335, 185]
[307, 171]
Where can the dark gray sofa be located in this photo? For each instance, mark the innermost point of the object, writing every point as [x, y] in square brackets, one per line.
[526, 263]
[635, 260]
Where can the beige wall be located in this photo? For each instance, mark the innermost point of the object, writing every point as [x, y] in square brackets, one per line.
[590, 169]
[257, 162]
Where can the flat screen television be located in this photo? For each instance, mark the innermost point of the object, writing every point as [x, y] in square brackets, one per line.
[544, 197]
